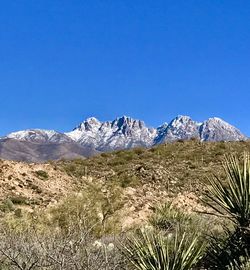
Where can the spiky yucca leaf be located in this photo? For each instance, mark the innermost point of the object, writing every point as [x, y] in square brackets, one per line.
[151, 250]
[243, 265]
[233, 196]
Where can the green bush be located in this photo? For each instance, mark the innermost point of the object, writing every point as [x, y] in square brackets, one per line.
[42, 174]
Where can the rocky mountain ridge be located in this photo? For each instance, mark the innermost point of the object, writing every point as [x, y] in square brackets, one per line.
[92, 136]
[125, 132]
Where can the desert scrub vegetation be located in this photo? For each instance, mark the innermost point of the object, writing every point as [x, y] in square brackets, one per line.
[182, 166]
[76, 249]
[79, 233]
[98, 205]
[188, 248]
[167, 217]
[84, 230]
[172, 240]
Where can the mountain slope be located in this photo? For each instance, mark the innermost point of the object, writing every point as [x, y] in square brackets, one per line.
[215, 129]
[21, 150]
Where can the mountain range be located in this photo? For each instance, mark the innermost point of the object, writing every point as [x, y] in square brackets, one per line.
[93, 136]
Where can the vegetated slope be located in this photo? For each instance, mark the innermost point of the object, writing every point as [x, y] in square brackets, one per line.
[32, 185]
[132, 181]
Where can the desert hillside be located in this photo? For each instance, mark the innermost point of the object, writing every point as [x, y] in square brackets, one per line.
[133, 181]
[97, 213]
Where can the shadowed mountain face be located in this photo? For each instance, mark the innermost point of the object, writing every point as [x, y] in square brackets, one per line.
[12, 149]
[92, 136]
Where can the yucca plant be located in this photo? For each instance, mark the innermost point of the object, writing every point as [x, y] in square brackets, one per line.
[231, 199]
[243, 265]
[153, 250]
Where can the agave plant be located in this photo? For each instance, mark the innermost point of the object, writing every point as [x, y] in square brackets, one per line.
[152, 250]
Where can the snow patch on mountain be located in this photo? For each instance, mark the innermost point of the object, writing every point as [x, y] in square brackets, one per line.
[216, 129]
[180, 128]
[122, 133]
[39, 136]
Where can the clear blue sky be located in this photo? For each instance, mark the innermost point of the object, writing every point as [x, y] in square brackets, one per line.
[62, 61]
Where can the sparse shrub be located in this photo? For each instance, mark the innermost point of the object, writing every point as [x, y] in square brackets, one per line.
[128, 181]
[167, 217]
[18, 199]
[76, 168]
[18, 212]
[138, 151]
[117, 161]
[78, 249]
[104, 155]
[96, 204]
[70, 168]
[7, 206]
[42, 174]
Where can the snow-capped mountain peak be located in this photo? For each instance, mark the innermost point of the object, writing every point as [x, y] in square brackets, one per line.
[89, 124]
[125, 132]
[216, 129]
[181, 127]
[126, 125]
[39, 135]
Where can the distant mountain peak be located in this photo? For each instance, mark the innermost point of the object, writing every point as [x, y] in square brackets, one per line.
[92, 120]
[89, 124]
[181, 127]
[181, 119]
[122, 132]
[126, 122]
[216, 129]
[216, 119]
[39, 135]
[93, 136]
